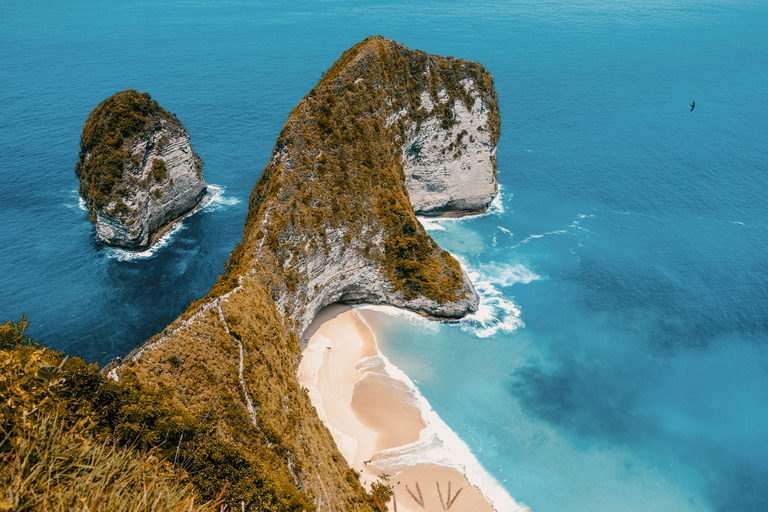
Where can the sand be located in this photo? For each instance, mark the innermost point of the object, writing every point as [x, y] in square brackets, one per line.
[368, 411]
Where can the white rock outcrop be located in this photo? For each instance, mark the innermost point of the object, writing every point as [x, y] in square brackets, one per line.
[343, 275]
[138, 172]
[380, 103]
[451, 171]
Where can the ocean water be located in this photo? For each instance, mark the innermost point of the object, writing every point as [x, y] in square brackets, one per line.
[619, 361]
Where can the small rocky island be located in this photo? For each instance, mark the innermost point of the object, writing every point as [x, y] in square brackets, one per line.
[137, 169]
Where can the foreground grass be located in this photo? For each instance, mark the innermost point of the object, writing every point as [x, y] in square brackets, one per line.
[54, 468]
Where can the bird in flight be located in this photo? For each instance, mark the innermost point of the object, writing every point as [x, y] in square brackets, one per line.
[693, 105]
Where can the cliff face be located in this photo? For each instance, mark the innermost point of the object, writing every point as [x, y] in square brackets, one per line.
[384, 123]
[138, 172]
[330, 220]
[451, 171]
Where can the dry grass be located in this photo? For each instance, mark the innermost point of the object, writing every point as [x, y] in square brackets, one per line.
[55, 469]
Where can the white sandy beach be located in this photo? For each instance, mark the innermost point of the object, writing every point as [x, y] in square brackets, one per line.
[368, 411]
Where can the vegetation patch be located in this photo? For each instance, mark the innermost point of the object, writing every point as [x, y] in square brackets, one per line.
[337, 165]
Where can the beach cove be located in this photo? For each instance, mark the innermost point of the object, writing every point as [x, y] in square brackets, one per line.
[382, 425]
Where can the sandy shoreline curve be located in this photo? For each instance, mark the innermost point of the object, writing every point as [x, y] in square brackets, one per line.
[375, 418]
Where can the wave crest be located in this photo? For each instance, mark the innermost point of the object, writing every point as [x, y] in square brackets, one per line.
[496, 312]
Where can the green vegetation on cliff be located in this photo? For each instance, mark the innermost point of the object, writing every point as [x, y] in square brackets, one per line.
[200, 363]
[105, 144]
[335, 182]
[337, 164]
[215, 397]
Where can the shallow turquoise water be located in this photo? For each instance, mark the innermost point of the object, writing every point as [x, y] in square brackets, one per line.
[620, 360]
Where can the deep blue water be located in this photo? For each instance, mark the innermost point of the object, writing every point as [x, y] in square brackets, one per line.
[620, 361]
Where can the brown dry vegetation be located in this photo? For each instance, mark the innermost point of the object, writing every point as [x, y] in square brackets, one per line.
[200, 363]
[337, 164]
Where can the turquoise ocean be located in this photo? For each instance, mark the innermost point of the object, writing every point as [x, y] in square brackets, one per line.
[619, 361]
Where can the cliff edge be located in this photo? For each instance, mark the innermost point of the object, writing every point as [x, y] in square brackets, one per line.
[137, 169]
[330, 220]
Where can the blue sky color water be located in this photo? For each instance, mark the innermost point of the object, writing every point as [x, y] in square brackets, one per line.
[620, 359]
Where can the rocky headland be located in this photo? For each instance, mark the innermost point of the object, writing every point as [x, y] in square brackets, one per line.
[331, 219]
[137, 169]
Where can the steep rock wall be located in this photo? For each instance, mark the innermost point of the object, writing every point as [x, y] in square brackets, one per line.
[345, 166]
[452, 170]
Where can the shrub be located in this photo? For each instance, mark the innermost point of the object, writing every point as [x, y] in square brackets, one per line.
[53, 467]
[159, 171]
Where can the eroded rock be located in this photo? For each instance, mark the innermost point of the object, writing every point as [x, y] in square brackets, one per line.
[138, 172]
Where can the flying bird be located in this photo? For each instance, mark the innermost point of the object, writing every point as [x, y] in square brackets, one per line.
[693, 105]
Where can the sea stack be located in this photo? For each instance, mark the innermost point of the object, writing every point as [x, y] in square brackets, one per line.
[137, 169]
[388, 133]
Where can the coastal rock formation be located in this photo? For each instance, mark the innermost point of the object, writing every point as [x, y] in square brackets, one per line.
[329, 220]
[138, 172]
[347, 168]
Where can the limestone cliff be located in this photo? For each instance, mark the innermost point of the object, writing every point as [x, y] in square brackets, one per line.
[346, 165]
[138, 172]
[329, 220]
[449, 153]
[450, 164]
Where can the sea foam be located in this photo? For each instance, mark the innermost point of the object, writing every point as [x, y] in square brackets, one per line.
[213, 200]
[496, 313]
[496, 207]
[127, 255]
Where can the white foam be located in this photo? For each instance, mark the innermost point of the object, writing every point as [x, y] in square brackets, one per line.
[413, 318]
[504, 274]
[438, 223]
[126, 255]
[536, 237]
[431, 224]
[574, 225]
[497, 205]
[77, 202]
[369, 363]
[215, 200]
[505, 230]
[495, 313]
[437, 443]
